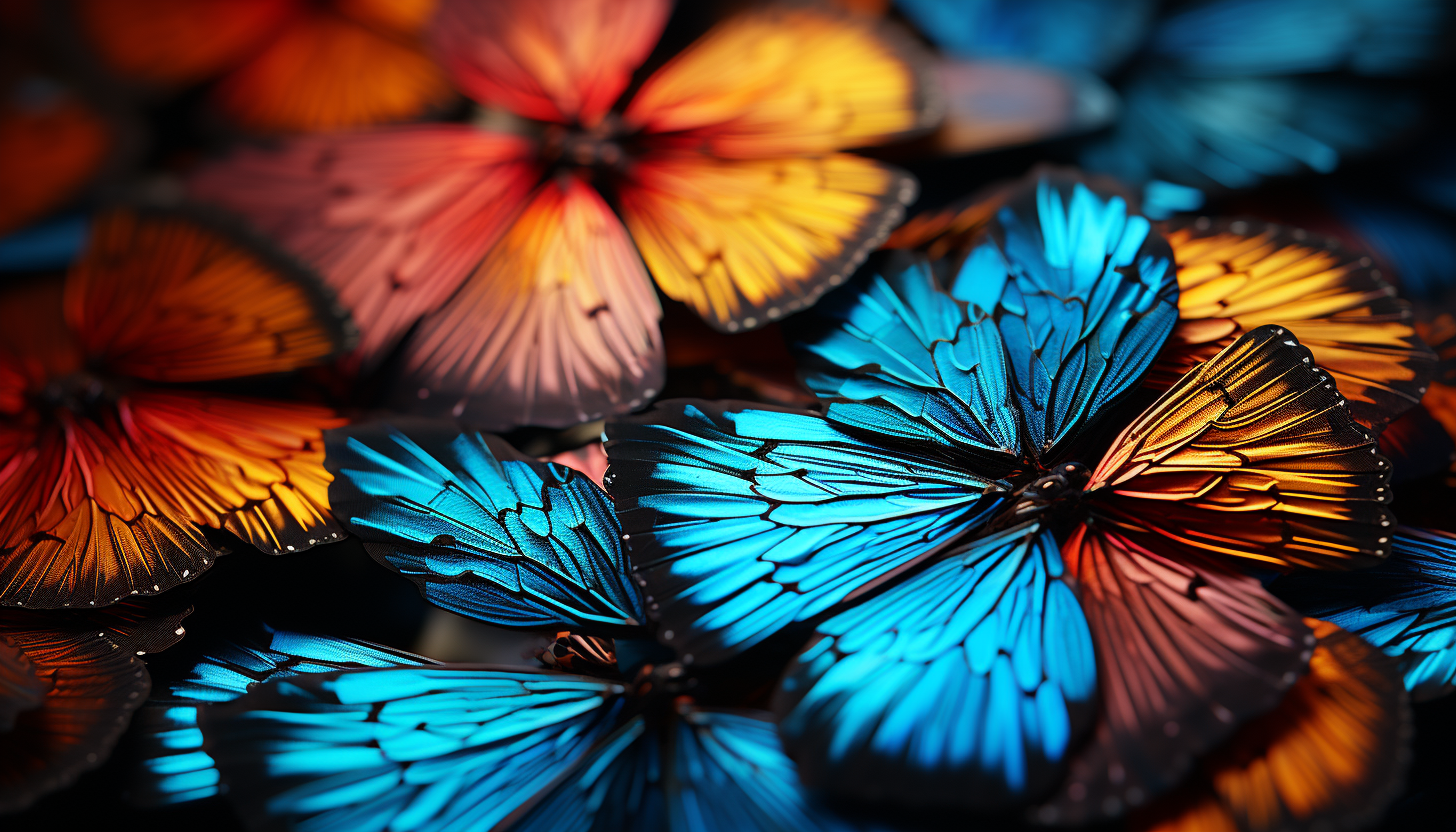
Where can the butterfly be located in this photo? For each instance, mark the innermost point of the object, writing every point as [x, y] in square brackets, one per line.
[1330, 755]
[69, 684]
[321, 733]
[276, 65]
[517, 262]
[1405, 606]
[993, 616]
[113, 452]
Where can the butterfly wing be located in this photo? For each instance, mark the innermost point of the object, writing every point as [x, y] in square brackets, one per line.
[778, 82]
[483, 530]
[426, 748]
[173, 297]
[617, 785]
[1073, 34]
[745, 242]
[1252, 455]
[561, 60]
[1234, 276]
[1406, 606]
[177, 42]
[90, 681]
[963, 685]
[173, 766]
[1078, 292]
[743, 520]
[558, 325]
[394, 219]
[1187, 649]
[1331, 756]
[51, 144]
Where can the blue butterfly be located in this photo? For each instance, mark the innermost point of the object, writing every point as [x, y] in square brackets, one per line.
[332, 734]
[1406, 606]
[920, 529]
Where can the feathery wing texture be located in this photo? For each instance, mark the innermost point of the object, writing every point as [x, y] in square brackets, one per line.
[1234, 276]
[557, 326]
[617, 785]
[1052, 316]
[173, 767]
[284, 65]
[551, 60]
[1253, 455]
[51, 144]
[1331, 756]
[167, 296]
[743, 520]
[105, 507]
[1187, 649]
[421, 748]
[964, 685]
[22, 688]
[785, 81]
[483, 530]
[93, 681]
[746, 242]
[394, 219]
[1076, 34]
[1406, 606]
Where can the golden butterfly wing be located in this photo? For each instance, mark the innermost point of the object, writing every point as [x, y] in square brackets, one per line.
[782, 81]
[747, 242]
[1252, 455]
[1236, 275]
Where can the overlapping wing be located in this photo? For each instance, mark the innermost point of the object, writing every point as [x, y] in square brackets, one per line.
[1187, 649]
[92, 683]
[776, 82]
[483, 530]
[743, 520]
[1252, 455]
[1331, 756]
[101, 508]
[745, 242]
[556, 327]
[962, 686]
[173, 766]
[394, 219]
[166, 296]
[561, 60]
[1234, 276]
[420, 748]
[1406, 606]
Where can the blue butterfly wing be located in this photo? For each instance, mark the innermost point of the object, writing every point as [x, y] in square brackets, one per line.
[173, 766]
[617, 785]
[744, 520]
[963, 685]
[483, 530]
[1094, 35]
[1406, 606]
[1233, 132]
[48, 245]
[420, 749]
[1243, 38]
[1054, 314]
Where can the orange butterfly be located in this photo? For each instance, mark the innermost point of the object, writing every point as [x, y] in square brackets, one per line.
[280, 65]
[111, 456]
[531, 295]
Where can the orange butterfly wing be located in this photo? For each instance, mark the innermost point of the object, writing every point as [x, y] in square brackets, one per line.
[1332, 755]
[51, 145]
[747, 242]
[394, 219]
[789, 81]
[176, 298]
[1252, 455]
[1234, 276]
[558, 325]
[551, 60]
[176, 42]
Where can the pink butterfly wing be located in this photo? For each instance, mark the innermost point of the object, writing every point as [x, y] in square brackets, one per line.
[395, 219]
